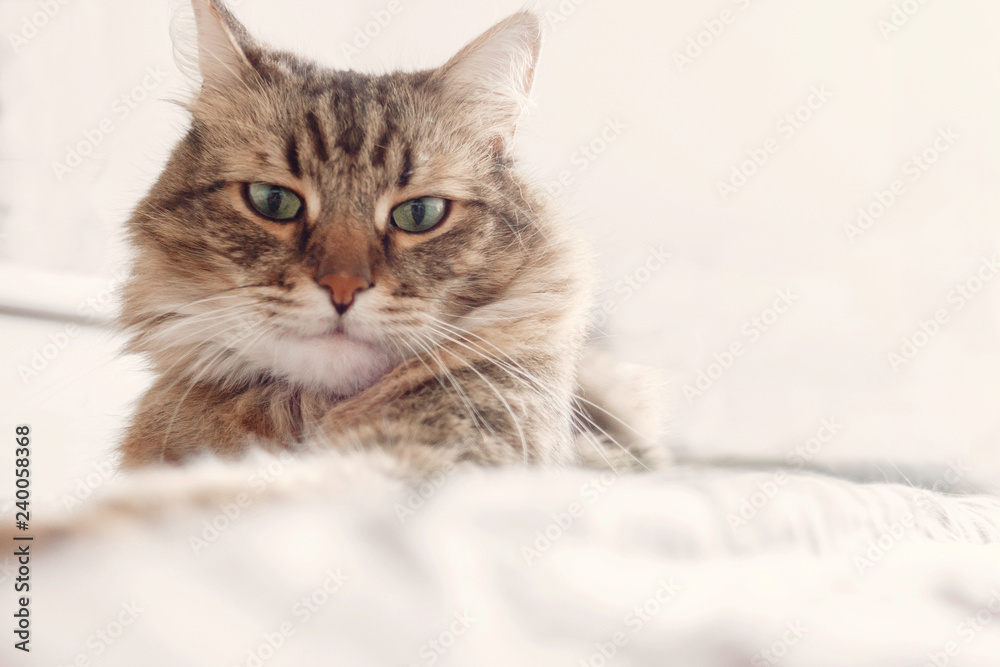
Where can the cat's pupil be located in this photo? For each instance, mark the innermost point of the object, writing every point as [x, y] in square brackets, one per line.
[418, 210]
[274, 197]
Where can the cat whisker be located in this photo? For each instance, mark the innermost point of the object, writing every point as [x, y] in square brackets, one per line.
[581, 399]
[177, 310]
[477, 419]
[217, 333]
[531, 381]
[206, 366]
[499, 394]
[204, 344]
[189, 321]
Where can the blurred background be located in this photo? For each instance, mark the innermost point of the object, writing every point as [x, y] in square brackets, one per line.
[793, 206]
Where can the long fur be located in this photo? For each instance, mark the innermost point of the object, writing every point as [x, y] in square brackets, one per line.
[469, 336]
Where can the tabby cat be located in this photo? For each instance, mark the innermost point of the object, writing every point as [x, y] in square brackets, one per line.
[334, 259]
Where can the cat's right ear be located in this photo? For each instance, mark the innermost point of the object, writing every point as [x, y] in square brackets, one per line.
[210, 45]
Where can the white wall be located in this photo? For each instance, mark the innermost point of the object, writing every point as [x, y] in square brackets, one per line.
[682, 130]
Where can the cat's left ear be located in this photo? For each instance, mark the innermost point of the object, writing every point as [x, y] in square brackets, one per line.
[214, 52]
[492, 76]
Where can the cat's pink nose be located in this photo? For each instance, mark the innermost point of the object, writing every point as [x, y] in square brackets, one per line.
[343, 289]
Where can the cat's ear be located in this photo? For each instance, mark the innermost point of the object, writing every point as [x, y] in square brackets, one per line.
[493, 74]
[210, 45]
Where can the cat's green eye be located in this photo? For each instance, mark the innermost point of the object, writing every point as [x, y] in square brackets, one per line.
[274, 201]
[419, 215]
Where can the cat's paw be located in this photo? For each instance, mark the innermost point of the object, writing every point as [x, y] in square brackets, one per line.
[622, 412]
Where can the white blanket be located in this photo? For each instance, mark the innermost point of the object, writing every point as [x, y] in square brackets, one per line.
[331, 561]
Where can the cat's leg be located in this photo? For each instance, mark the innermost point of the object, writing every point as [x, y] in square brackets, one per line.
[176, 420]
[455, 411]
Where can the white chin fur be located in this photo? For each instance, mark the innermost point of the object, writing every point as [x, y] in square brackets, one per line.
[336, 364]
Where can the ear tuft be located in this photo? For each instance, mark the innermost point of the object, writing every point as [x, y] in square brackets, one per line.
[494, 73]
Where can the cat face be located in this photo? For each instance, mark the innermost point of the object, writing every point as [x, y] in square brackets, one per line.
[322, 226]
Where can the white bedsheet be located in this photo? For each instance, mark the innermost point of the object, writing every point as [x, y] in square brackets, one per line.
[330, 561]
